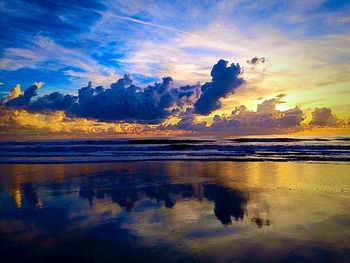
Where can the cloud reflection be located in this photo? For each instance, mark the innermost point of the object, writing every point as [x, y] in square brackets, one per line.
[228, 204]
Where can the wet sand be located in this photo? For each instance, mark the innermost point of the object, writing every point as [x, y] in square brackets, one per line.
[175, 211]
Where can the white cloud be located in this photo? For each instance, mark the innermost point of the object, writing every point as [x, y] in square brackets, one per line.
[43, 50]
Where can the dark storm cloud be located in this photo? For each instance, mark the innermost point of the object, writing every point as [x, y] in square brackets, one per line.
[225, 80]
[55, 101]
[124, 101]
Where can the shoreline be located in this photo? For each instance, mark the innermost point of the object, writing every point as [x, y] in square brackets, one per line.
[313, 161]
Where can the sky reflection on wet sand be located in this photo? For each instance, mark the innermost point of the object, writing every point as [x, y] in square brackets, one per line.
[175, 211]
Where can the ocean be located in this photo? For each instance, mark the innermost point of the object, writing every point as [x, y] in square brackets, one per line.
[230, 149]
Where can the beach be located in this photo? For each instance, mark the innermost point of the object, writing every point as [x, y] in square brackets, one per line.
[175, 211]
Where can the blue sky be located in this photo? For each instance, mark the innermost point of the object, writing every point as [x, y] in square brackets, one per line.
[67, 43]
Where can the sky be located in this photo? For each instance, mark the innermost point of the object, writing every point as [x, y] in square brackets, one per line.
[174, 68]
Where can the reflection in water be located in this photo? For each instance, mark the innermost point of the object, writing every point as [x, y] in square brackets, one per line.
[17, 197]
[31, 195]
[175, 211]
[228, 203]
[260, 222]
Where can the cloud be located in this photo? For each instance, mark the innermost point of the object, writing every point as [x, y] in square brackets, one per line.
[15, 92]
[324, 117]
[22, 100]
[225, 80]
[156, 107]
[265, 120]
[124, 101]
[43, 53]
[187, 122]
[14, 122]
[21, 124]
[127, 102]
[138, 21]
[55, 101]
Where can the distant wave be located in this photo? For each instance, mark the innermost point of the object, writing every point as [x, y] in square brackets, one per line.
[170, 141]
[232, 149]
[105, 142]
[280, 139]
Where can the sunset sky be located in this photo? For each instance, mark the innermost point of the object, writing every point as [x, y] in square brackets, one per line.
[192, 68]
